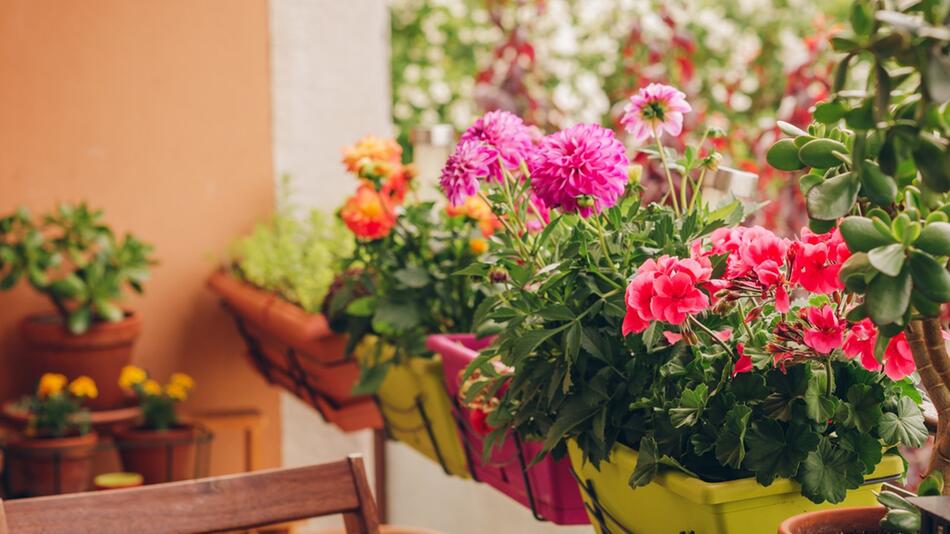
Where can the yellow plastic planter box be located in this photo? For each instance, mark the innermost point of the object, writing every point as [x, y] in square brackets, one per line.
[675, 502]
[415, 407]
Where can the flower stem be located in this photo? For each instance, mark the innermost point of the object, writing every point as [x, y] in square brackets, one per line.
[666, 169]
[696, 189]
[712, 334]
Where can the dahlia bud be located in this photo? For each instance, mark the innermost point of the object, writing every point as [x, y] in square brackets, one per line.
[498, 275]
[585, 201]
[634, 173]
[711, 162]
[714, 132]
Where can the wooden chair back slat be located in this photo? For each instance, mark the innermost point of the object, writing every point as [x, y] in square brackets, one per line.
[231, 502]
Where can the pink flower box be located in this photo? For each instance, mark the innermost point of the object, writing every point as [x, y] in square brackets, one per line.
[547, 488]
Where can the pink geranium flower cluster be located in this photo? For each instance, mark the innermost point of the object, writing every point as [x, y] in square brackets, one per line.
[761, 270]
[667, 290]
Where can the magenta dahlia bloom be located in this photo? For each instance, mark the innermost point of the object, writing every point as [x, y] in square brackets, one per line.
[582, 169]
[470, 162]
[506, 135]
[655, 107]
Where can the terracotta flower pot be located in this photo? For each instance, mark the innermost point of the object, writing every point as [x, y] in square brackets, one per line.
[858, 520]
[159, 455]
[99, 353]
[297, 351]
[49, 466]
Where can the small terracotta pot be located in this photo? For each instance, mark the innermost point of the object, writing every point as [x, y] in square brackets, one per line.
[159, 455]
[858, 520]
[50, 466]
[99, 353]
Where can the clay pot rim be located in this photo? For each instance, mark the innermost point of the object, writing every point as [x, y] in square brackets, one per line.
[846, 517]
[47, 328]
[137, 433]
[89, 439]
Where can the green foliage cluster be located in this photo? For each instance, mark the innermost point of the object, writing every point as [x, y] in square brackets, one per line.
[401, 289]
[297, 259]
[74, 259]
[878, 156]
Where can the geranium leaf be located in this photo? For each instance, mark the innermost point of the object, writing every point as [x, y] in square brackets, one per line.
[647, 464]
[819, 406]
[692, 403]
[828, 472]
[863, 409]
[905, 427]
[866, 446]
[774, 452]
[730, 446]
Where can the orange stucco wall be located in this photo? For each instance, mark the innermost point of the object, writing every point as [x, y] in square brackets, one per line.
[159, 113]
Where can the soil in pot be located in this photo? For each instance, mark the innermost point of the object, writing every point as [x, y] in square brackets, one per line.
[159, 455]
[99, 353]
[855, 520]
[49, 466]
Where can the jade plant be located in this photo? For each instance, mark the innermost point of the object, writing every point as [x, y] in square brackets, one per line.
[878, 167]
[293, 257]
[76, 260]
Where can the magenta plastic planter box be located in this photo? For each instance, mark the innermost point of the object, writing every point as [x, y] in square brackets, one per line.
[547, 488]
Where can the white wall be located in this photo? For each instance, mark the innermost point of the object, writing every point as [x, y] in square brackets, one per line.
[330, 87]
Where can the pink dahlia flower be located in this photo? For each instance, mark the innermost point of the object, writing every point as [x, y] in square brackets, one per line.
[506, 136]
[582, 169]
[653, 109]
[469, 163]
[859, 343]
[826, 331]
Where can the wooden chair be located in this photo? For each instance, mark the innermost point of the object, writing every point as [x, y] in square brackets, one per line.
[231, 502]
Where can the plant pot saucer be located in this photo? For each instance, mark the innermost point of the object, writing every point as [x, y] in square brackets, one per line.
[103, 421]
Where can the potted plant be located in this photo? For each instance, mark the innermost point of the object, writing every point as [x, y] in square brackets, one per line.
[690, 387]
[74, 259]
[275, 284]
[161, 448]
[54, 454]
[398, 288]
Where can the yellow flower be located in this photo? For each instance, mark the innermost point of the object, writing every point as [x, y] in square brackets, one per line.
[151, 387]
[84, 387]
[183, 380]
[176, 391]
[478, 246]
[130, 376]
[51, 384]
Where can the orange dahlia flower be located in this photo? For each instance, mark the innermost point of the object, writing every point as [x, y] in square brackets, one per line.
[368, 214]
[371, 149]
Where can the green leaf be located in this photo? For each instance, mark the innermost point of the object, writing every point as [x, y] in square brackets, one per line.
[820, 153]
[575, 412]
[730, 445]
[362, 307]
[79, 320]
[829, 112]
[774, 452]
[556, 312]
[865, 446]
[888, 297]
[862, 18]
[930, 277]
[783, 155]
[413, 277]
[889, 259]
[529, 341]
[904, 521]
[935, 238]
[828, 472]
[879, 187]
[905, 427]
[400, 316]
[932, 485]
[108, 310]
[862, 235]
[786, 389]
[692, 403]
[832, 198]
[819, 407]
[863, 409]
[68, 287]
[647, 464]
